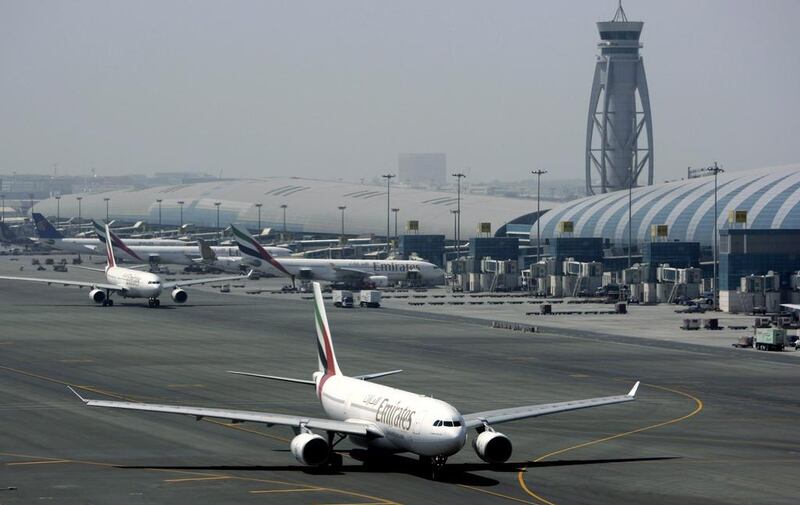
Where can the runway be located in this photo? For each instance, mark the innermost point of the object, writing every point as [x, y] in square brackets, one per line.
[707, 427]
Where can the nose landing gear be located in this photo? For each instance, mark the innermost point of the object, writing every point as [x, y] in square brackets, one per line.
[153, 303]
[433, 465]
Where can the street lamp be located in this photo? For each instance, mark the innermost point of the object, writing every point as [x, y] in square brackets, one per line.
[3, 208]
[341, 208]
[106, 199]
[158, 201]
[180, 204]
[217, 204]
[58, 209]
[30, 197]
[395, 210]
[458, 176]
[79, 198]
[455, 271]
[283, 206]
[388, 178]
[258, 206]
[716, 170]
[538, 173]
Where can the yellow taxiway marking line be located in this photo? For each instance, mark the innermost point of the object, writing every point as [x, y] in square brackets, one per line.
[499, 495]
[192, 479]
[295, 490]
[48, 462]
[698, 408]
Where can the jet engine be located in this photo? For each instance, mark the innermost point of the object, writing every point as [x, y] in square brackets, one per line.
[179, 296]
[492, 447]
[97, 295]
[310, 449]
[379, 281]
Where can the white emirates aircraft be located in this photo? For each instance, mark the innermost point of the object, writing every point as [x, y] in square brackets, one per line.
[128, 283]
[375, 272]
[376, 416]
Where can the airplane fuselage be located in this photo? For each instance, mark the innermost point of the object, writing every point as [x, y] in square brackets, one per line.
[335, 270]
[406, 420]
[136, 284]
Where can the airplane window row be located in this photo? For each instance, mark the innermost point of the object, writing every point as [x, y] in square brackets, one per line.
[449, 424]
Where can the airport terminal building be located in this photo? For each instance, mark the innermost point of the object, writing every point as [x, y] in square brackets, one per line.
[771, 197]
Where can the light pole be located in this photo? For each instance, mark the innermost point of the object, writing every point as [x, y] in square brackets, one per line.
[716, 169]
[158, 201]
[455, 261]
[106, 199]
[630, 215]
[79, 198]
[3, 208]
[58, 209]
[395, 210]
[217, 204]
[180, 204]
[258, 206]
[538, 173]
[283, 206]
[388, 178]
[341, 208]
[30, 197]
[458, 176]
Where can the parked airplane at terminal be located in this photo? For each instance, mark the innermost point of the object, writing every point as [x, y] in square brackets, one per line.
[129, 283]
[48, 235]
[376, 272]
[377, 416]
[7, 236]
[185, 254]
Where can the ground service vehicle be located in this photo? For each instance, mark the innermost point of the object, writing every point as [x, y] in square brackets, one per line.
[369, 298]
[342, 298]
[770, 339]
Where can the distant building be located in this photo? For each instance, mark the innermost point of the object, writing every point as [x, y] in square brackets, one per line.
[422, 169]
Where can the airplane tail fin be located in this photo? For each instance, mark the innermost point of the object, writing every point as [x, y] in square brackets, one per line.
[327, 358]
[251, 248]
[206, 252]
[44, 229]
[100, 231]
[112, 262]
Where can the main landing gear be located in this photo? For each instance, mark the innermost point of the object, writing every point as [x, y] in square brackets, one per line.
[433, 465]
[153, 303]
[108, 303]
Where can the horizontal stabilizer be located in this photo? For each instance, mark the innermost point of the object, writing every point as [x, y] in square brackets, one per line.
[371, 376]
[275, 377]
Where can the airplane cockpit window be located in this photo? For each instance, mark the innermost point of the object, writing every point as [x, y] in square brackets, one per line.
[437, 423]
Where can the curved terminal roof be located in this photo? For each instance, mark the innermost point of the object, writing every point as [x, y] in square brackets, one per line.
[312, 206]
[771, 197]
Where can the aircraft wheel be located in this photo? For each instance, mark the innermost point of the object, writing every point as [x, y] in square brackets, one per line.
[105, 303]
[158, 303]
[151, 303]
[111, 303]
[335, 461]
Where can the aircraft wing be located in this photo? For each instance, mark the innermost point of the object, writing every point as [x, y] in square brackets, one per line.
[343, 427]
[791, 306]
[206, 280]
[63, 282]
[514, 413]
[352, 272]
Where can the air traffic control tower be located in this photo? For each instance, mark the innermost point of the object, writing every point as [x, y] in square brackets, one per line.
[619, 129]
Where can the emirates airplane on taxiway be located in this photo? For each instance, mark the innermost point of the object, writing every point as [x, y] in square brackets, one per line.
[376, 416]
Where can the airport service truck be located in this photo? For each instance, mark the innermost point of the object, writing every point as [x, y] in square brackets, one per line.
[370, 298]
[770, 339]
[342, 298]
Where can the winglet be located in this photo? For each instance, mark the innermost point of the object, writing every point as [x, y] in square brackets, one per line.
[632, 392]
[84, 400]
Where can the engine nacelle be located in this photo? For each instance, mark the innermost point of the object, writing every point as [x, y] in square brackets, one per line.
[97, 295]
[179, 296]
[492, 447]
[379, 281]
[310, 449]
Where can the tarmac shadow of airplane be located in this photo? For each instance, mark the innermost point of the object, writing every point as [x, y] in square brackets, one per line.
[453, 473]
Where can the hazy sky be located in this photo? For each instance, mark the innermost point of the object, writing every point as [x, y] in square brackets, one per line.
[339, 88]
